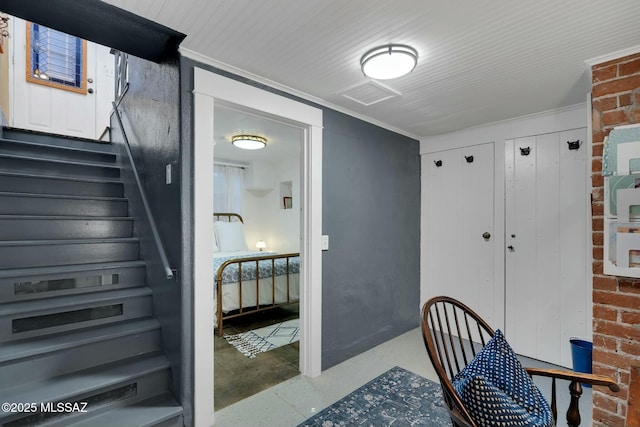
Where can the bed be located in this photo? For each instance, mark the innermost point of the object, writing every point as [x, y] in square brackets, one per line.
[249, 281]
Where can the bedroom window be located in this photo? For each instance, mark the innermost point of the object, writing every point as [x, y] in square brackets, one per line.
[56, 59]
[228, 184]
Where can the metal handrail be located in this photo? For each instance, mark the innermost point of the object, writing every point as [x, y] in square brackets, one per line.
[154, 230]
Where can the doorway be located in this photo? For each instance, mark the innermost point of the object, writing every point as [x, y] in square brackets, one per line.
[209, 89]
[59, 84]
[256, 184]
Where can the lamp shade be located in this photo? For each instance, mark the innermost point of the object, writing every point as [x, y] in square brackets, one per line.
[261, 245]
[249, 142]
[389, 61]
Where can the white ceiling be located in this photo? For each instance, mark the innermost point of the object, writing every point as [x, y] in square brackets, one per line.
[479, 61]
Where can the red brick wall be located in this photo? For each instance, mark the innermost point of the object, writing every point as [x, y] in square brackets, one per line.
[616, 300]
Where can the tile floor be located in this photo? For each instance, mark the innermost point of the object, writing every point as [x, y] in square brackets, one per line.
[294, 400]
[237, 376]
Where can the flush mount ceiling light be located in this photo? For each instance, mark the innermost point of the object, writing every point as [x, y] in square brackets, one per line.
[389, 61]
[249, 142]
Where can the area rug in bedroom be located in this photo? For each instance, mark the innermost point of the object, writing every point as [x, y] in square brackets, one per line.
[396, 398]
[267, 338]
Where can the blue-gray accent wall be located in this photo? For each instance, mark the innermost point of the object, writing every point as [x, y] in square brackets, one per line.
[371, 211]
[152, 120]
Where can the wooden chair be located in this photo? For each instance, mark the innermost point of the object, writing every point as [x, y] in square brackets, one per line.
[447, 325]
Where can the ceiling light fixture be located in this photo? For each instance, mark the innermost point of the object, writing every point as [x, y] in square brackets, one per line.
[249, 142]
[389, 61]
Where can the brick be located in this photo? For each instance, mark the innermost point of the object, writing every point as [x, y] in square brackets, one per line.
[598, 252]
[607, 371]
[603, 312]
[597, 209]
[598, 148]
[634, 115]
[606, 103]
[615, 117]
[605, 342]
[597, 224]
[623, 84]
[624, 100]
[630, 347]
[598, 139]
[631, 301]
[596, 267]
[613, 329]
[605, 402]
[629, 286]
[605, 73]
[630, 318]
[629, 68]
[636, 96]
[612, 358]
[597, 238]
[616, 61]
[606, 419]
[596, 165]
[606, 283]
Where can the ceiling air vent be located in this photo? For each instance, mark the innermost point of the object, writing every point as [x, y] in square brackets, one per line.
[369, 92]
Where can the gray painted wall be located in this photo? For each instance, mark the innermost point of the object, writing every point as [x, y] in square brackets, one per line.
[151, 115]
[371, 210]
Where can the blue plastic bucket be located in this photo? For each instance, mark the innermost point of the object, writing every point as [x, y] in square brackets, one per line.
[581, 355]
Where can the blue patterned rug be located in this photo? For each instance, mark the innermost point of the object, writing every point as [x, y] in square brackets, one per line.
[396, 398]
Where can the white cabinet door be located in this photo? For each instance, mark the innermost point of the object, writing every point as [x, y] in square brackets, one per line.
[547, 286]
[457, 211]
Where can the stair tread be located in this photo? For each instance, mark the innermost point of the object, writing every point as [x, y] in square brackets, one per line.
[66, 387]
[66, 217]
[66, 241]
[35, 271]
[63, 196]
[60, 161]
[70, 301]
[146, 413]
[60, 147]
[62, 177]
[41, 345]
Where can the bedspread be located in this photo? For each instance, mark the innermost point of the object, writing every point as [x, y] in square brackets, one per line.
[230, 273]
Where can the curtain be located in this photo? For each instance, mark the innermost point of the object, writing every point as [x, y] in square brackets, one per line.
[228, 183]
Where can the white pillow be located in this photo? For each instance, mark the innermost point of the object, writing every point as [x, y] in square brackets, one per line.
[230, 236]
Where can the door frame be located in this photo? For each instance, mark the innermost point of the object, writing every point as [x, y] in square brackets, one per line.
[209, 88]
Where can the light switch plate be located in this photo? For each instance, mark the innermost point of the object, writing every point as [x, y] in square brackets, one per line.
[325, 242]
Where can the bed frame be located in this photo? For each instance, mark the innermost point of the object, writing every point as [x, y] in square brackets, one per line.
[242, 310]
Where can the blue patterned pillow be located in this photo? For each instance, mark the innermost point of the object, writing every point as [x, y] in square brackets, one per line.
[497, 391]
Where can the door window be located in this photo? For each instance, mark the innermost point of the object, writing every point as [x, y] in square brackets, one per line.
[56, 59]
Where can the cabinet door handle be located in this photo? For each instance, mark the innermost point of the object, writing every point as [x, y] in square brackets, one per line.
[486, 235]
[511, 248]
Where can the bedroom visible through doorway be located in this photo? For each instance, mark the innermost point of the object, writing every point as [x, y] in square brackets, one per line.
[263, 188]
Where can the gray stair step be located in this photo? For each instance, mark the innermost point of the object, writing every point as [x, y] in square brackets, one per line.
[158, 411]
[43, 253]
[34, 318]
[47, 282]
[56, 140]
[54, 343]
[60, 185]
[68, 205]
[43, 165]
[80, 386]
[31, 227]
[55, 305]
[12, 146]
[54, 355]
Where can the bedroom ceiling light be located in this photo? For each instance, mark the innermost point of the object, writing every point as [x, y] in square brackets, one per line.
[249, 142]
[389, 61]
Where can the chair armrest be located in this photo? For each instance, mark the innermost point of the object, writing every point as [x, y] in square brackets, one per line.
[575, 376]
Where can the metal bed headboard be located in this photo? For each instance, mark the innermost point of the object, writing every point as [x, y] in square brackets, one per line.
[228, 215]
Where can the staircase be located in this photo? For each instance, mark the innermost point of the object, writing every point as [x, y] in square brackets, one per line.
[78, 341]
